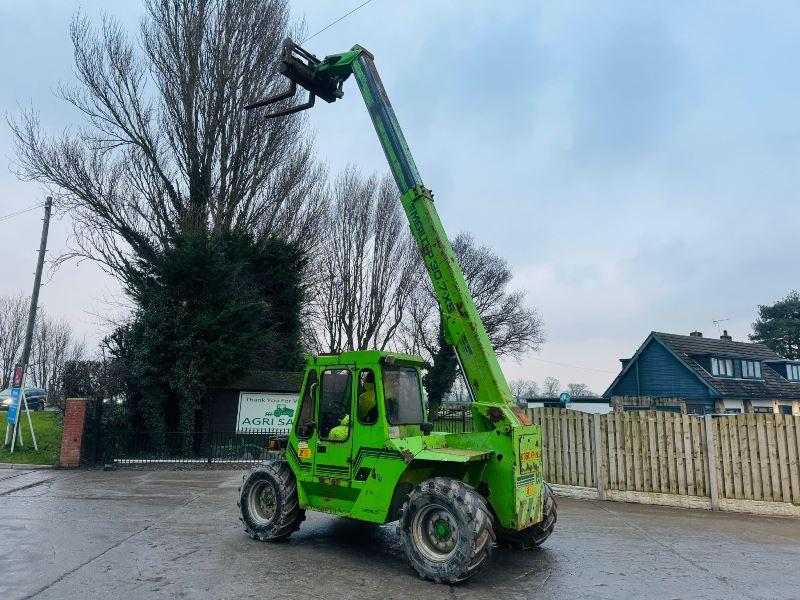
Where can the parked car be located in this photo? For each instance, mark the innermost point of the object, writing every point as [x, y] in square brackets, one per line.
[36, 397]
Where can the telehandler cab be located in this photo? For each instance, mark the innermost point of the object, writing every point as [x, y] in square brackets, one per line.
[360, 446]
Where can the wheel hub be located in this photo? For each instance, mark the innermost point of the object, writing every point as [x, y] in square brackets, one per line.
[442, 529]
[435, 532]
[262, 502]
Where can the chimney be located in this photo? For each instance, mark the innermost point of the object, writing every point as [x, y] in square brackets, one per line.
[696, 333]
[725, 336]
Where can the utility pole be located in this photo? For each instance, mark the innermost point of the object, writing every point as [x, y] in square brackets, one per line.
[26, 349]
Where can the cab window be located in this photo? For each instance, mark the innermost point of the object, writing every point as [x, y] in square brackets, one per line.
[367, 404]
[304, 426]
[401, 390]
[334, 405]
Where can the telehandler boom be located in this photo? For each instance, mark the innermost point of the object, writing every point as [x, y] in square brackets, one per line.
[360, 446]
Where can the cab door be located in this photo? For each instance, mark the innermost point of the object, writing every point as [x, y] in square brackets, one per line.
[303, 441]
[368, 433]
[334, 443]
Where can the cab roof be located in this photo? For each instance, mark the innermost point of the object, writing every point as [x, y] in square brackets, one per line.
[365, 357]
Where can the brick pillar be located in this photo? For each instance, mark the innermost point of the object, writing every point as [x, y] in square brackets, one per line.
[71, 439]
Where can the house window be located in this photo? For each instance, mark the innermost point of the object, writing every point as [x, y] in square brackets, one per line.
[793, 372]
[751, 369]
[722, 367]
[763, 409]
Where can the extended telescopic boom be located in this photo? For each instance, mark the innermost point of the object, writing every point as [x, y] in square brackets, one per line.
[493, 406]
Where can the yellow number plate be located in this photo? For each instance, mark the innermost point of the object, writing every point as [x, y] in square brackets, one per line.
[530, 490]
[530, 455]
[304, 452]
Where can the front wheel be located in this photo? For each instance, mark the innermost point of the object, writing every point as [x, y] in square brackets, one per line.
[535, 535]
[446, 530]
[269, 504]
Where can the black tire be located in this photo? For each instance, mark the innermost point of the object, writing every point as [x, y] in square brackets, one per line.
[269, 504]
[535, 535]
[446, 530]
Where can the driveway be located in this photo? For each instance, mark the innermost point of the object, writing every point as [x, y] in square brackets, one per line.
[176, 534]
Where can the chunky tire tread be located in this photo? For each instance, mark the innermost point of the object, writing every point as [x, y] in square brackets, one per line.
[475, 527]
[289, 514]
[535, 535]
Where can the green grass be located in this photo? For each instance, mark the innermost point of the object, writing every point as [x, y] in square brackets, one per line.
[47, 426]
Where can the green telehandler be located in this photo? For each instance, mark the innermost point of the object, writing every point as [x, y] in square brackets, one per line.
[360, 446]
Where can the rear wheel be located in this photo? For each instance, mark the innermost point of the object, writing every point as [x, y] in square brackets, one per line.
[535, 535]
[446, 530]
[269, 504]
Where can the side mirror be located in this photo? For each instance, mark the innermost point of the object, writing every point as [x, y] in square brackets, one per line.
[426, 428]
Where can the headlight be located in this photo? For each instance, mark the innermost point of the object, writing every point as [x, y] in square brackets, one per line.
[7, 402]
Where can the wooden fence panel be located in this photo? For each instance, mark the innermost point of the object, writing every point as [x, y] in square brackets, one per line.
[757, 456]
[680, 459]
[652, 445]
[783, 459]
[744, 456]
[644, 454]
[588, 444]
[755, 469]
[641, 465]
[774, 464]
[763, 453]
[736, 459]
[792, 451]
[628, 449]
[688, 454]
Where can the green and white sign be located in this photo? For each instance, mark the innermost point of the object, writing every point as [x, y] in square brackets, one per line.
[265, 410]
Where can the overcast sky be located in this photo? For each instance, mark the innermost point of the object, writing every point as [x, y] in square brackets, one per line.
[636, 163]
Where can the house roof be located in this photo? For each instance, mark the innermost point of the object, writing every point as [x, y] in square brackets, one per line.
[701, 346]
[772, 385]
[685, 348]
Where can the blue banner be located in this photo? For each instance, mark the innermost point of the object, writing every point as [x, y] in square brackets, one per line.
[13, 409]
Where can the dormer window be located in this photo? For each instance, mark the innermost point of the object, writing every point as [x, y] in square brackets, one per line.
[793, 372]
[751, 369]
[722, 367]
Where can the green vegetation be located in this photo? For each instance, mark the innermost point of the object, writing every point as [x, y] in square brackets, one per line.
[47, 426]
[778, 326]
[209, 308]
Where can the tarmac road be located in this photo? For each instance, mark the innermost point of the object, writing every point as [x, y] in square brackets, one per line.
[176, 534]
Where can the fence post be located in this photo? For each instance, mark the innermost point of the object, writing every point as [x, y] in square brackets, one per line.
[711, 459]
[209, 447]
[598, 458]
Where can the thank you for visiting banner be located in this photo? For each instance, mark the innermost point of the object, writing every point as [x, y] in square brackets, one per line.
[265, 410]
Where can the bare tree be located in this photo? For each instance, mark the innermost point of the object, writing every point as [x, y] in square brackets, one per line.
[54, 345]
[13, 320]
[579, 389]
[165, 145]
[522, 389]
[551, 387]
[513, 327]
[365, 268]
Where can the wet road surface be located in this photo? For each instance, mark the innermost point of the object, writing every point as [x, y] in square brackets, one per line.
[170, 534]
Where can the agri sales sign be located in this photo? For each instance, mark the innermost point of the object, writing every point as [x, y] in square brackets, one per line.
[265, 410]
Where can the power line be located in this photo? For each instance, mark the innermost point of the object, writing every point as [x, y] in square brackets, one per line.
[21, 212]
[553, 362]
[336, 21]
